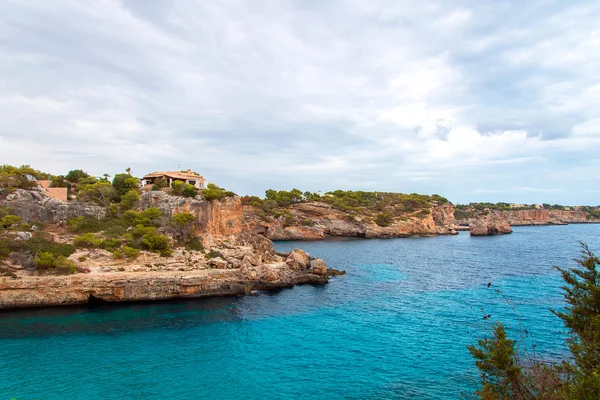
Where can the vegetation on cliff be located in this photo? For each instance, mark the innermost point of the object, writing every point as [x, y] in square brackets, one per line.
[508, 373]
[381, 207]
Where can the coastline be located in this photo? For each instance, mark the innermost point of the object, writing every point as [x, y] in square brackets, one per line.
[116, 287]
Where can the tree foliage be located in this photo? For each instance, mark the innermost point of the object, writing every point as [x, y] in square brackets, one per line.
[505, 376]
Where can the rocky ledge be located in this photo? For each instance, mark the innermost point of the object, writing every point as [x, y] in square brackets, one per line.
[139, 283]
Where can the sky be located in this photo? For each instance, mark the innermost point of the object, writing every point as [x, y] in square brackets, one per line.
[473, 100]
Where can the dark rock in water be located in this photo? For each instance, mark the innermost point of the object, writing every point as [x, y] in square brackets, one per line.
[335, 272]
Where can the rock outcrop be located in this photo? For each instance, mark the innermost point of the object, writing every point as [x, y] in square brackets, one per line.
[34, 205]
[38, 291]
[316, 220]
[546, 217]
[489, 223]
[240, 260]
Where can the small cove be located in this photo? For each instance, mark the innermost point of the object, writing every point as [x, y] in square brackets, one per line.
[395, 326]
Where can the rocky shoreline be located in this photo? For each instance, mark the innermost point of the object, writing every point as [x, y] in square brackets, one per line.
[45, 291]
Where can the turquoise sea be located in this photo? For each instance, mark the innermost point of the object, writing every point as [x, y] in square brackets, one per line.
[395, 327]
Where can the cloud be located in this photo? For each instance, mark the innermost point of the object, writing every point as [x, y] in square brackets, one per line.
[379, 94]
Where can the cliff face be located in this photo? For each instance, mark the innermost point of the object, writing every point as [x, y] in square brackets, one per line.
[34, 205]
[214, 219]
[545, 217]
[492, 223]
[315, 220]
[237, 263]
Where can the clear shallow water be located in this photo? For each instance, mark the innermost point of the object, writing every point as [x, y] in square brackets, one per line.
[395, 326]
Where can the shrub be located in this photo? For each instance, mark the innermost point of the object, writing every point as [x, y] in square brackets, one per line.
[214, 192]
[81, 258]
[76, 175]
[130, 252]
[214, 254]
[189, 190]
[4, 250]
[177, 188]
[194, 244]
[46, 261]
[9, 221]
[111, 244]
[149, 217]
[130, 199]
[155, 187]
[88, 240]
[123, 183]
[118, 254]
[39, 243]
[383, 219]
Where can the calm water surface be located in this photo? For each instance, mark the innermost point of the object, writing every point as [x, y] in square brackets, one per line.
[395, 327]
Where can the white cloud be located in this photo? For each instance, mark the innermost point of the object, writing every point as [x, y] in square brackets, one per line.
[377, 94]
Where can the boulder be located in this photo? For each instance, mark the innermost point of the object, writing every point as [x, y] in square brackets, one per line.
[218, 262]
[23, 236]
[298, 260]
[252, 259]
[319, 267]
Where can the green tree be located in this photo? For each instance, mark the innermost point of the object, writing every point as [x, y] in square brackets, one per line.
[75, 175]
[130, 199]
[101, 193]
[502, 377]
[123, 183]
[582, 317]
[505, 376]
[183, 224]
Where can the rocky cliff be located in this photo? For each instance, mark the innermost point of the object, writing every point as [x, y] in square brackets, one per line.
[547, 217]
[317, 220]
[34, 205]
[236, 261]
[489, 223]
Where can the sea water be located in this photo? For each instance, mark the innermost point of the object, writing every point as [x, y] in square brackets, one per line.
[396, 326]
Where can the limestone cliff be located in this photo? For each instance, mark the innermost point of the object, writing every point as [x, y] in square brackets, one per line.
[34, 205]
[547, 217]
[237, 261]
[317, 220]
[488, 223]
[214, 219]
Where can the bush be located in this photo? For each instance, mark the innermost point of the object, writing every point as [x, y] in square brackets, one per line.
[177, 188]
[194, 244]
[39, 243]
[111, 244]
[148, 238]
[123, 183]
[189, 190]
[46, 261]
[214, 192]
[149, 217]
[214, 254]
[383, 219]
[129, 200]
[87, 240]
[130, 252]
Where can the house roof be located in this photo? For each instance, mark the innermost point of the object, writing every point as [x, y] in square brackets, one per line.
[175, 175]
